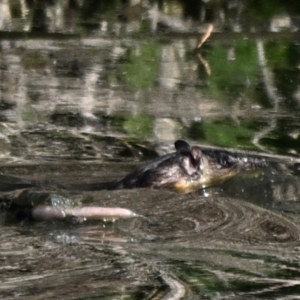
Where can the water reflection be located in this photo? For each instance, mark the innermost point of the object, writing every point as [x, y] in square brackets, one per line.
[135, 78]
[128, 92]
[91, 88]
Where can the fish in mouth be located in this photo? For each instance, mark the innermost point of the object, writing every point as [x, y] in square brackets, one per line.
[189, 169]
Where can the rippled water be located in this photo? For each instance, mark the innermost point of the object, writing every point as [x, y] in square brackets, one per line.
[89, 91]
[224, 241]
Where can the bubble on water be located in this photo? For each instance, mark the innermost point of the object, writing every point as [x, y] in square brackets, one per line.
[61, 202]
[64, 238]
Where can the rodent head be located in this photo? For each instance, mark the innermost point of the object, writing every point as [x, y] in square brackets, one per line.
[191, 160]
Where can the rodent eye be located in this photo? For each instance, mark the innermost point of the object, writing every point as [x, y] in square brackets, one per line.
[223, 161]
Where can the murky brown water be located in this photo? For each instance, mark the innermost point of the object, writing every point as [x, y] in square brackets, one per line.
[90, 90]
[204, 243]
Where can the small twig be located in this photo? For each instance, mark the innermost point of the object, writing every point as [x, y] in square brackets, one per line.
[206, 35]
[205, 64]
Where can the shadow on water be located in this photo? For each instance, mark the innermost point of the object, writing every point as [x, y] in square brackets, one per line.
[91, 89]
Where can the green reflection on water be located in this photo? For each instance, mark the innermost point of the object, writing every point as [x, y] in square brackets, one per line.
[277, 54]
[201, 281]
[207, 283]
[139, 126]
[142, 68]
[223, 132]
[29, 115]
[234, 69]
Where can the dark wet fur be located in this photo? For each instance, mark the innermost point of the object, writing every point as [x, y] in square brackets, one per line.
[190, 168]
[167, 170]
[187, 164]
[152, 174]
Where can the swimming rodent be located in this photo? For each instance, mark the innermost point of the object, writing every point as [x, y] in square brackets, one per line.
[184, 171]
[188, 169]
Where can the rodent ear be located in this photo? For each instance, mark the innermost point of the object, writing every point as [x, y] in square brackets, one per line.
[191, 162]
[196, 153]
[189, 165]
[182, 146]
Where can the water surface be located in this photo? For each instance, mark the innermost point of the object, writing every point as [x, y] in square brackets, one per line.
[91, 90]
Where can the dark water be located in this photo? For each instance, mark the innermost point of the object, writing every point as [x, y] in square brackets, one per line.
[89, 89]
